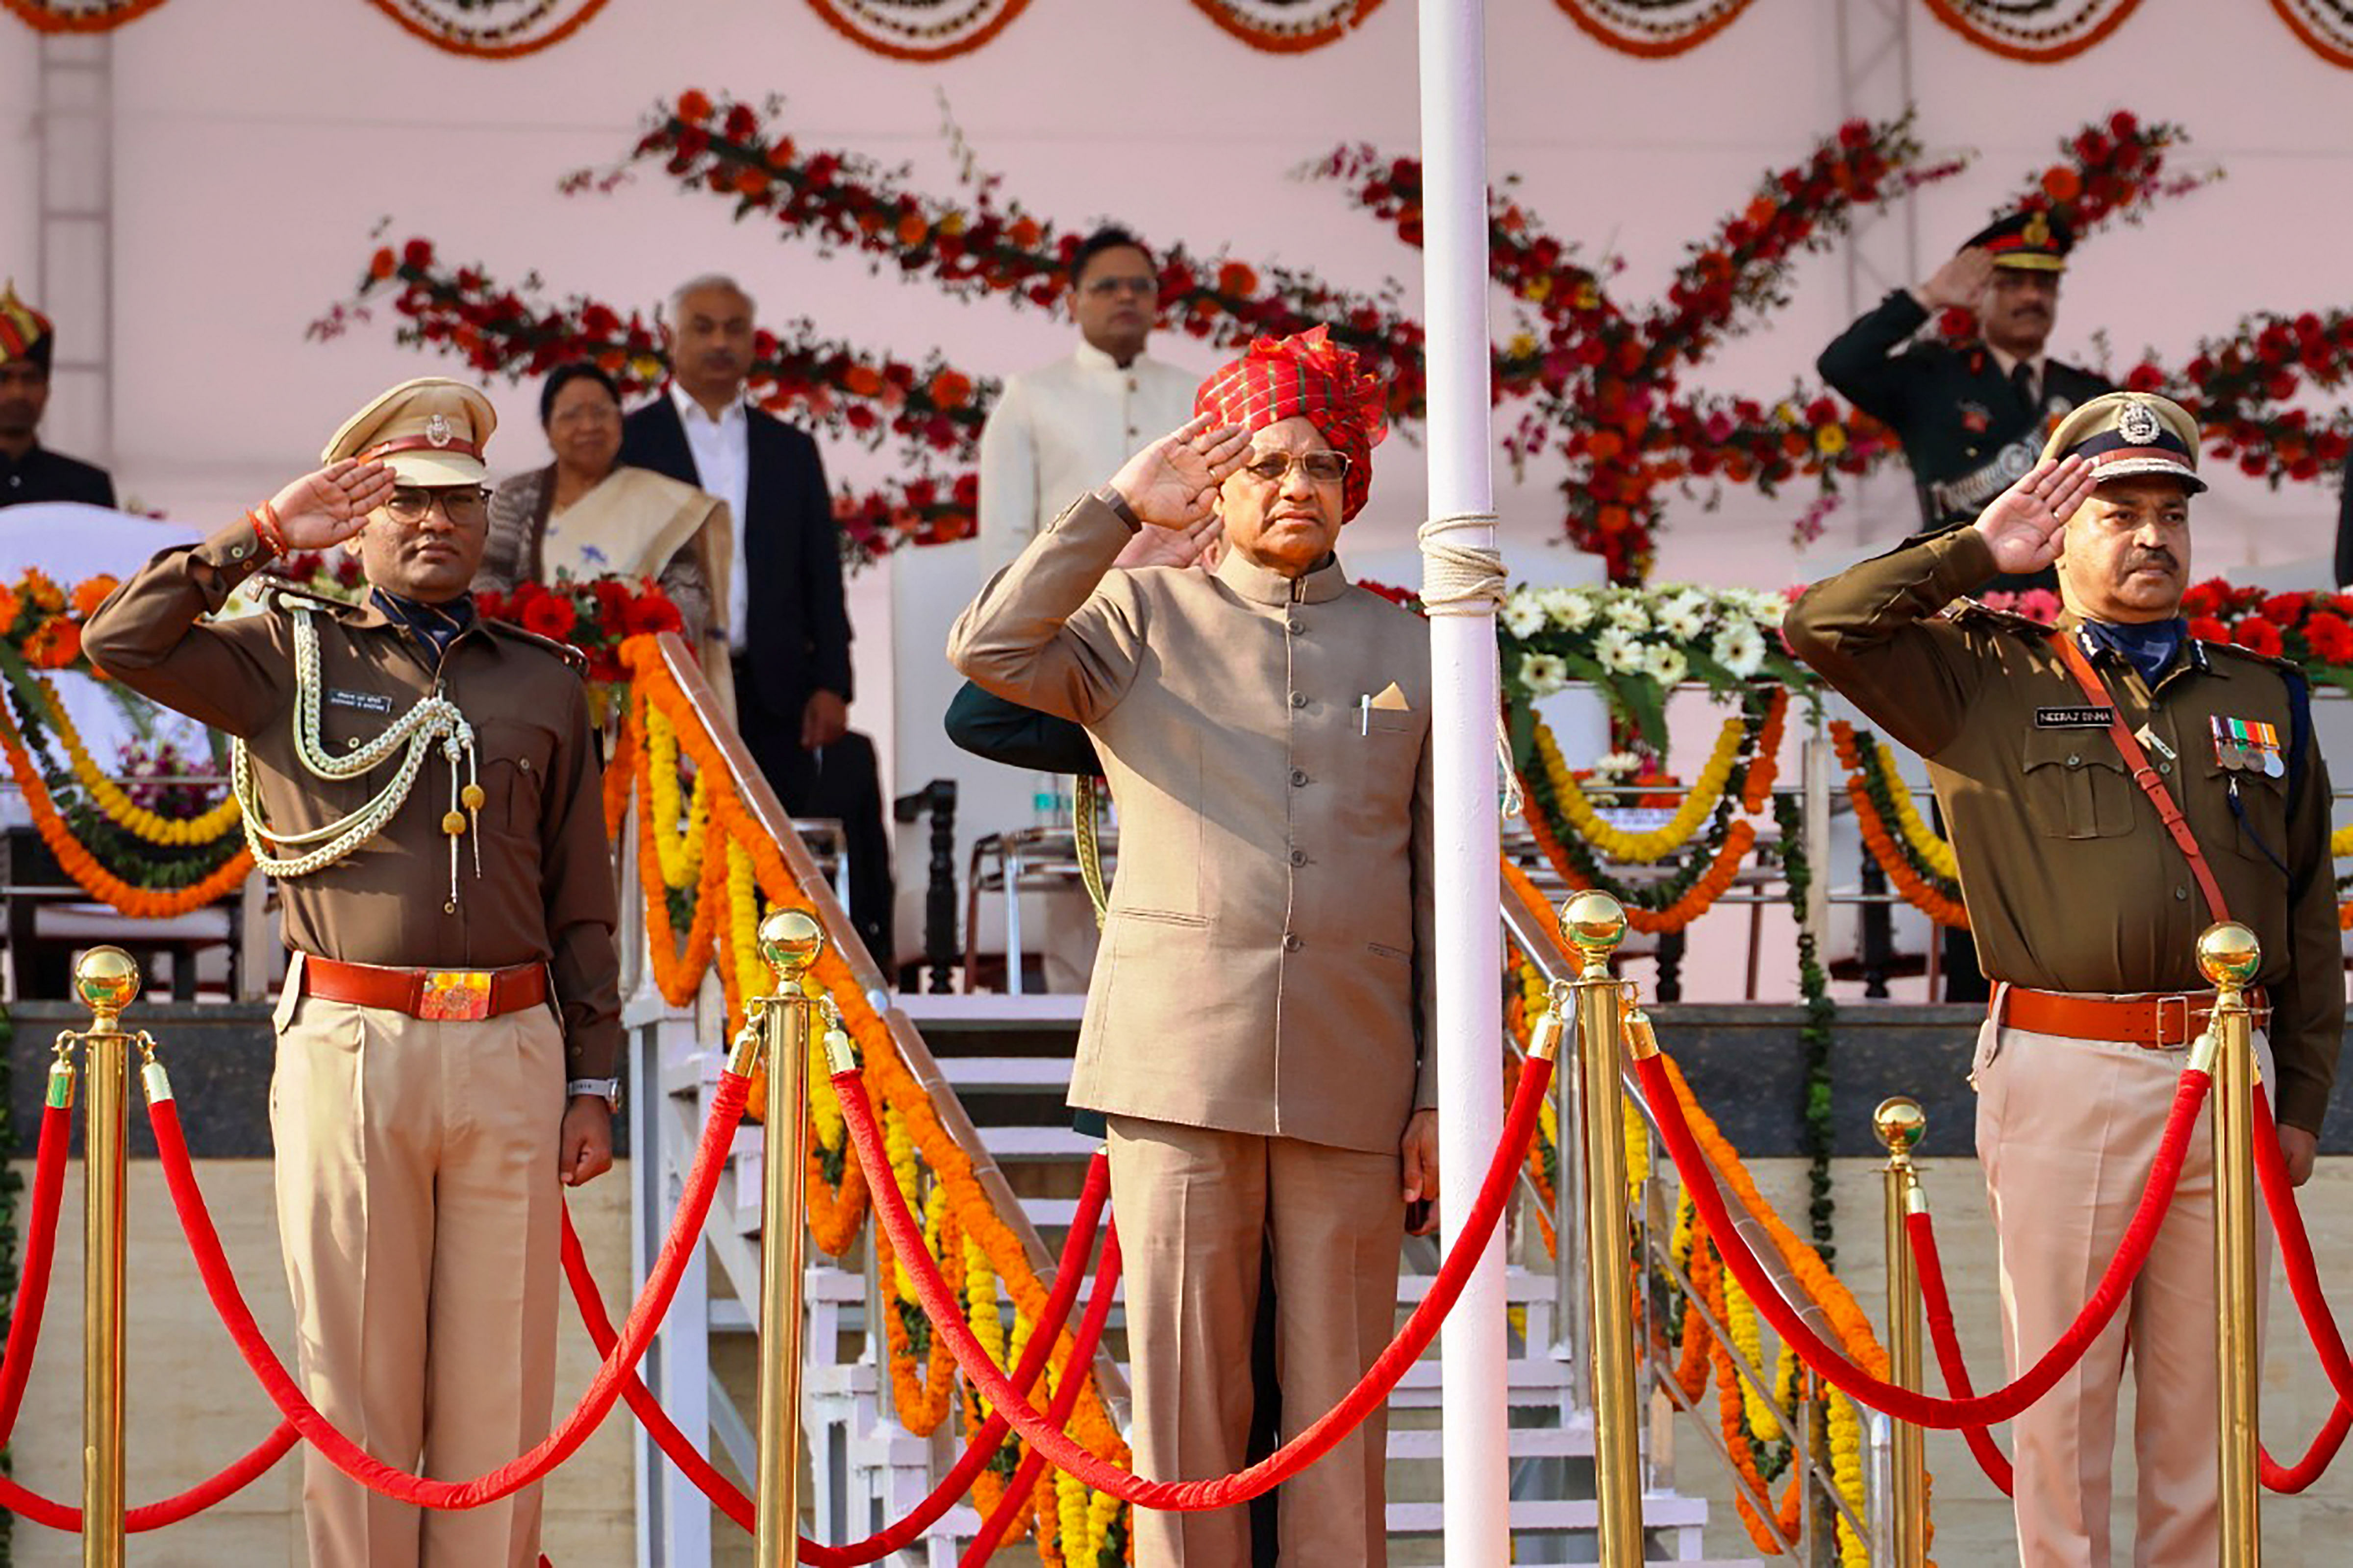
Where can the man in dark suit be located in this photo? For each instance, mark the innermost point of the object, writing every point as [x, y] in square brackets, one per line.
[28, 471]
[1972, 416]
[785, 622]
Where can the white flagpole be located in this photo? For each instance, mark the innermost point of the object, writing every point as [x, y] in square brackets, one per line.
[1463, 742]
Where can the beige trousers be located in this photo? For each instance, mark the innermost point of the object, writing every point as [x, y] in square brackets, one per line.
[418, 1209]
[1196, 1208]
[2067, 1130]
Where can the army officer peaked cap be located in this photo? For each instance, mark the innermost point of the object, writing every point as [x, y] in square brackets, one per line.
[2032, 238]
[430, 431]
[2122, 434]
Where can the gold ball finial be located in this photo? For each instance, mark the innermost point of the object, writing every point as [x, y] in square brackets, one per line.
[2229, 956]
[790, 941]
[1900, 1124]
[106, 981]
[1594, 923]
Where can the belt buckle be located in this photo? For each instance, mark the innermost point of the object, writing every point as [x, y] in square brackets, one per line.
[455, 996]
[2161, 1043]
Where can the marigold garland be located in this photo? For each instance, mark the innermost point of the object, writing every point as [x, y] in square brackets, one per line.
[165, 832]
[140, 903]
[1642, 849]
[1864, 784]
[743, 870]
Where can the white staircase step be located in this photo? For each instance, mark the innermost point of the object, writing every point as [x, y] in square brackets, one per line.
[1661, 1510]
[980, 1075]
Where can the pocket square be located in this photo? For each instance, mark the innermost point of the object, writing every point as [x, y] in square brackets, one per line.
[1390, 699]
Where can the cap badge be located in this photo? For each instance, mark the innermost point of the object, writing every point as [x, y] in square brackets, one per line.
[438, 431]
[2037, 231]
[2139, 424]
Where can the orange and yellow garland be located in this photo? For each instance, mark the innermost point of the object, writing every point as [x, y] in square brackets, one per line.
[741, 866]
[1914, 888]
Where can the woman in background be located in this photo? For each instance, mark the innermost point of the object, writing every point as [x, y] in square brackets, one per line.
[587, 516]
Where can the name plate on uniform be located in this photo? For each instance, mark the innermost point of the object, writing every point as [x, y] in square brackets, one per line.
[455, 996]
[2074, 717]
[365, 701]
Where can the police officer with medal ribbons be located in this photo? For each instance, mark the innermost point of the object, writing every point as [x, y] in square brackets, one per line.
[424, 785]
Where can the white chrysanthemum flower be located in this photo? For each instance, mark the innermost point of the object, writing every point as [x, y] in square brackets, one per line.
[1523, 614]
[1616, 763]
[1665, 663]
[1740, 649]
[1544, 673]
[1627, 613]
[1571, 609]
[1682, 617]
[1618, 650]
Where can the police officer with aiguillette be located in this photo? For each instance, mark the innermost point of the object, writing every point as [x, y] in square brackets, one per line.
[424, 785]
[2060, 754]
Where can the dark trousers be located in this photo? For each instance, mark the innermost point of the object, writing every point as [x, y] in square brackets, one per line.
[842, 782]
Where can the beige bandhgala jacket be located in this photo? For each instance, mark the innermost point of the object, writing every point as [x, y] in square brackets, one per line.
[1268, 952]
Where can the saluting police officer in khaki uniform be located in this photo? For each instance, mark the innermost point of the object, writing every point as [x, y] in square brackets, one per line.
[449, 1026]
[1253, 1021]
[2087, 915]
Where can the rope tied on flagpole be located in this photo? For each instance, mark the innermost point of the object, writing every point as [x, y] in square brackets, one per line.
[1468, 580]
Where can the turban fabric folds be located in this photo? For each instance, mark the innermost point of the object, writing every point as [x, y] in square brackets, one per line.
[23, 331]
[1308, 375]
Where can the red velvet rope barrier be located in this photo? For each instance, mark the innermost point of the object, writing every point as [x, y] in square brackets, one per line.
[729, 1499]
[2304, 1279]
[1066, 1399]
[1906, 1403]
[603, 1392]
[2304, 1282]
[1920, 1229]
[241, 1473]
[40, 1251]
[939, 1304]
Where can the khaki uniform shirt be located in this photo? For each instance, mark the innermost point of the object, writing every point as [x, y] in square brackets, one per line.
[1270, 933]
[545, 894]
[2072, 881]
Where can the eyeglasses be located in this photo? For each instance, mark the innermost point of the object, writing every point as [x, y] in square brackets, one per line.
[1323, 467]
[1104, 288]
[465, 506]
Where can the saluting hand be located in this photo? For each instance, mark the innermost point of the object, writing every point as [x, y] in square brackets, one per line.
[1173, 483]
[328, 507]
[1960, 282]
[2024, 524]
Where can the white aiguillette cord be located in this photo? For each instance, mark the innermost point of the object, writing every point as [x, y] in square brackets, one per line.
[1467, 580]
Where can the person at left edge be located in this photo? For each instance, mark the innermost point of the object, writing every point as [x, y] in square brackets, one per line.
[450, 1022]
[28, 471]
[786, 625]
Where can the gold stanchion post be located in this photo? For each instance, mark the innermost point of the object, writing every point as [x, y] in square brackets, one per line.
[1595, 923]
[106, 981]
[2228, 956]
[1901, 1124]
[790, 941]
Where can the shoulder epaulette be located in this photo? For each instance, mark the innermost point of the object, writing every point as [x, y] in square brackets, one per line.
[2275, 661]
[563, 650]
[275, 591]
[1973, 612]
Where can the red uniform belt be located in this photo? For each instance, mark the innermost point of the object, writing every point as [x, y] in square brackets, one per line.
[2156, 1021]
[439, 994]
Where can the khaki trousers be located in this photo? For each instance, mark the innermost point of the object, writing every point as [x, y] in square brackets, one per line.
[420, 1211]
[1197, 1209]
[2067, 1130]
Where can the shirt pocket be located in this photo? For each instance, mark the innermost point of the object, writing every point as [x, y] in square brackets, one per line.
[2075, 786]
[2250, 816]
[515, 760]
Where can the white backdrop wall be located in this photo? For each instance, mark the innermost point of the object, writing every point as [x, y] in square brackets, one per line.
[253, 153]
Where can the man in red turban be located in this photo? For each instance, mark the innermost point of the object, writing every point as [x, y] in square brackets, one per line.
[1255, 1029]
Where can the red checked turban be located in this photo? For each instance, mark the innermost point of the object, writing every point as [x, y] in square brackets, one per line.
[1307, 373]
[23, 331]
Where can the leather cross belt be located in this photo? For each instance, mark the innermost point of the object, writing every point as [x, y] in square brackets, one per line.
[2154, 1020]
[436, 996]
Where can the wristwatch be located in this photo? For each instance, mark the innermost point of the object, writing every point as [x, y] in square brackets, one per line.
[607, 1089]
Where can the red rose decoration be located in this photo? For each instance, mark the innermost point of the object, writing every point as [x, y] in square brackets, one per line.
[2206, 628]
[2283, 609]
[2258, 636]
[552, 616]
